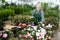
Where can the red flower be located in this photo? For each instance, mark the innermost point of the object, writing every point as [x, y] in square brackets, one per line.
[46, 23]
[23, 25]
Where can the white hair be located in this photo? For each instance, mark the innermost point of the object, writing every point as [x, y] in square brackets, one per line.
[38, 4]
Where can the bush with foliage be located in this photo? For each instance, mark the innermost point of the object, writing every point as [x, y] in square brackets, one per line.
[6, 13]
[21, 18]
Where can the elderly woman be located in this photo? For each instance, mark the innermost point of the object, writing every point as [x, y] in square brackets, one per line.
[38, 14]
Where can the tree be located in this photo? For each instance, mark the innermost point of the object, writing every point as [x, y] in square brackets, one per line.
[26, 1]
[3, 1]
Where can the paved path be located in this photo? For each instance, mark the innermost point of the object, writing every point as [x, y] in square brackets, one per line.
[57, 34]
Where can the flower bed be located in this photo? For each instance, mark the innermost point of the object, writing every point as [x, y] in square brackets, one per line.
[23, 31]
[43, 30]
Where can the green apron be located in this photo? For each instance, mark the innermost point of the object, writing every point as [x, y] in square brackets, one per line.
[37, 15]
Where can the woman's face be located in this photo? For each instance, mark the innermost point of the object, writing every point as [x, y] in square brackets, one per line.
[38, 7]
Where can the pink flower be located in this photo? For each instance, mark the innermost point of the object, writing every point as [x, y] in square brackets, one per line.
[0, 33]
[32, 39]
[49, 26]
[23, 25]
[25, 39]
[26, 36]
[41, 35]
[5, 35]
[20, 35]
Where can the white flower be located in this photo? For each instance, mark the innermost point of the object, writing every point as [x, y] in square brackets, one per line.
[41, 22]
[37, 34]
[29, 34]
[43, 25]
[29, 28]
[37, 37]
[33, 32]
[40, 27]
[49, 25]
[50, 31]
[39, 30]
[43, 31]
[29, 25]
[34, 27]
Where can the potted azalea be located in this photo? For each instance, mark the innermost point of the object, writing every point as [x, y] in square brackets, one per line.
[18, 29]
[26, 36]
[5, 35]
[50, 29]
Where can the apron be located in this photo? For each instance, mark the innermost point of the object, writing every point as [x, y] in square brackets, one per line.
[37, 15]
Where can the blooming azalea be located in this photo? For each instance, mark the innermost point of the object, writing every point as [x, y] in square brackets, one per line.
[49, 26]
[20, 35]
[5, 35]
[34, 27]
[43, 25]
[32, 38]
[37, 34]
[43, 31]
[0, 34]
[26, 35]
[29, 25]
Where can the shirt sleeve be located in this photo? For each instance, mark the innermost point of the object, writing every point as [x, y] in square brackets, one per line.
[42, 15]
[33, 13]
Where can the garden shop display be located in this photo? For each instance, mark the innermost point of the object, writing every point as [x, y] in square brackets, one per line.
[25, 29]
[43, 31]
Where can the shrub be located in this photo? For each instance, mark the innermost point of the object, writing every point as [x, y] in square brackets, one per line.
[4, 14]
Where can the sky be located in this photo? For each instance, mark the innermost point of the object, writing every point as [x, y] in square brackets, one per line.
[54, 2]
[34, 1]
